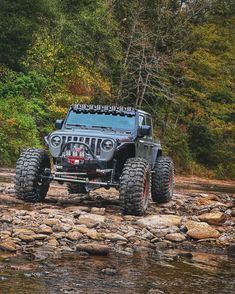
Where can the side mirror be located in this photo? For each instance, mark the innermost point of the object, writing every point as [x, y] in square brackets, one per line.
[144, 131]
[59, 124]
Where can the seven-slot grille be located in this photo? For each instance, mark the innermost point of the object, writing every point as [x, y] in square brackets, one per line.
[72, 149]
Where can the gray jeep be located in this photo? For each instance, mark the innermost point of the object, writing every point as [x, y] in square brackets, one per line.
[100, 146]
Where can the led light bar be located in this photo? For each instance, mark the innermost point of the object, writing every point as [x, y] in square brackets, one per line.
[91, 108]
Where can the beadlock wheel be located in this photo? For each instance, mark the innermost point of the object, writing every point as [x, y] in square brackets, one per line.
[163, 180]
[135, 186]
[30, 185]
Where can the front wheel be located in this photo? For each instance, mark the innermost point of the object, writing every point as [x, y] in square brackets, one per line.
[135, 186]
[163, 180]
[30, 182]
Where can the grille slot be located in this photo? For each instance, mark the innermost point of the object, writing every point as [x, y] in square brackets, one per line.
[93, 143]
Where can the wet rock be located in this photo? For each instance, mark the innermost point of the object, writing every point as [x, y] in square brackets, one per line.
[8, 245]
[130, 234]
[44, 229]
[51, 222]
[62, 227]
[74, 236]
[5, 234]
[10, 191]
[40, 236]
[159, 220]
[34, 275]
[185, 255]
[114, 237]
[129, 218]
[231, 250]
[94, 248]
[155, 291]
[67, 221]
[5, 199]
[22, 231]
[91, 233]
[91, 220]
[213, 218]
[162, 245]
[146, 234]
[109, 271]
[211, 201]
[119, 251]
[51, 211]
[201, 230]
[6, 218]
[162, 232]
[96, 210]
[27, 238]
[52, 242]
[176, 237]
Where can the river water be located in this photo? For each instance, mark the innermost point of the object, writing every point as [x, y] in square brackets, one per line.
[204, 273]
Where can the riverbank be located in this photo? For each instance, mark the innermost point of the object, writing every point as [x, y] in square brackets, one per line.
[195, 220]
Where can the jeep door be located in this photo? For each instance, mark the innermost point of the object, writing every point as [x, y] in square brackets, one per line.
[144, 144]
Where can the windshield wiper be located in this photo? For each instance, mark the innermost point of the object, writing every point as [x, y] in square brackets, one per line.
[101, 127]
[77, 125]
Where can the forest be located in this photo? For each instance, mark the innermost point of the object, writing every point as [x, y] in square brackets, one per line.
[172, 58]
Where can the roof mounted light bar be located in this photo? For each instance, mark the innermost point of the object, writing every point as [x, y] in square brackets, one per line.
[92, 108]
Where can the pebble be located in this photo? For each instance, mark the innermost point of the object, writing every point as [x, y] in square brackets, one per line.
[176, 237]
[74, 236]
[91, 233]
[109, 271]
[8, 245]
[114, 237]
[96, 210]
[6, 218]
[44, 229]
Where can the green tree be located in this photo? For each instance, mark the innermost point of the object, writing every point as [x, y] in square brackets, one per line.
[18, 20]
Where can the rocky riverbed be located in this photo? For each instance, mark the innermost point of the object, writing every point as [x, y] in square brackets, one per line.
[199, 218]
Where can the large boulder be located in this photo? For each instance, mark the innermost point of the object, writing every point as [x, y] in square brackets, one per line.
[201, 230]
[91, 220]
[213, 218]
[166, 220]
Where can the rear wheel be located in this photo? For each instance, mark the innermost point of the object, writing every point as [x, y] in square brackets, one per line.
[30, 185]
[76, 188]
[163, 180]
[135, 186]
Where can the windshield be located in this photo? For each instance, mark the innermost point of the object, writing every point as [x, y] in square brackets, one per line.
[101, 120]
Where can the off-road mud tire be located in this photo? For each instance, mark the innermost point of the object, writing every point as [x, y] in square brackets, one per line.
[163, 180]
[134, 194]
[76, 188]
[29, 185]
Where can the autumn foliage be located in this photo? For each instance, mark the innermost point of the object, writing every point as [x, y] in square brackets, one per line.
[175, 59]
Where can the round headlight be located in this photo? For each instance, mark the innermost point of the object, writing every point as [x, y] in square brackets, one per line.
[107, 145]
[56, 141]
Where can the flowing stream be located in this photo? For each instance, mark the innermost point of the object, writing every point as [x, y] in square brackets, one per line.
[204, 273]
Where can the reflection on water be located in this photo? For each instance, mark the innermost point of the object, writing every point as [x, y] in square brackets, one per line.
[76, 274]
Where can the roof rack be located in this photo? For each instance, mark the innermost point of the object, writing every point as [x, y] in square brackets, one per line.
[92, 108]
